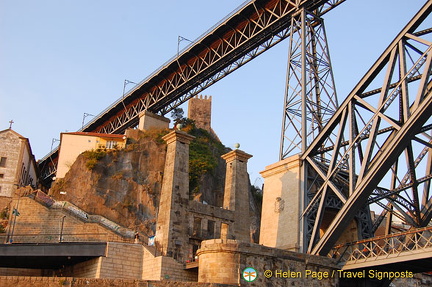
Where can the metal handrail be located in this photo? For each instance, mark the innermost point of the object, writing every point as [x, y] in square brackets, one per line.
[383, 246]
[65, 237]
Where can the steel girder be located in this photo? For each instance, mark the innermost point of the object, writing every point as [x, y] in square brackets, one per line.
[237, 39]
[310, 96]
[378, 144]
[248, 32]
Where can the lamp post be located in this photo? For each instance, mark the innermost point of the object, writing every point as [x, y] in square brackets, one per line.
[61, 229]
[179, 39]
[84, 116]
[15, 213]
[125, 83]
[53, 141]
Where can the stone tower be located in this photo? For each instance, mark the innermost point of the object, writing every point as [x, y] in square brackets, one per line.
[199, 110]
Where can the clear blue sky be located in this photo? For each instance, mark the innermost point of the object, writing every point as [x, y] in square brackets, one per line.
[61, 59]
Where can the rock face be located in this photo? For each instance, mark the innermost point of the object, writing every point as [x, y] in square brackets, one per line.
[124, 185]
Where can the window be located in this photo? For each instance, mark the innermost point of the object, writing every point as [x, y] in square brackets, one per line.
[1, 175]
[210, 229]
[196, 227]
[3, 161]
[111, 144]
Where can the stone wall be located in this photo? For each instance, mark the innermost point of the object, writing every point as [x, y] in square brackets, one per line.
[148, 121]
[281, 208]
[87, 269]
[164, 268]
[199, 110]
[71, 281]
[20, 272]
[19, 167]
[122, 261]
[172, 221]
[223, 261]
[11, 150]
[37, 223]
[204, 214]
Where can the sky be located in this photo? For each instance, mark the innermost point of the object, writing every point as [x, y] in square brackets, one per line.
[60, 59]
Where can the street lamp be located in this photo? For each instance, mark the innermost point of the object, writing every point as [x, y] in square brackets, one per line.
[125, 83]
[53, 141]
[84, 116]
[15, 213]
[61, 229]
[179, 39]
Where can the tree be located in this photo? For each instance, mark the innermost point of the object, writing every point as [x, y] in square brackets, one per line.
[177, 115]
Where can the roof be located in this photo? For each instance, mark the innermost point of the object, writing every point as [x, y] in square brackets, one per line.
[14, 132]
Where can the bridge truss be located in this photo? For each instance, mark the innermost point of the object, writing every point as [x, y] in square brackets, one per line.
[410, 250]
[377, 148]
[243, 35]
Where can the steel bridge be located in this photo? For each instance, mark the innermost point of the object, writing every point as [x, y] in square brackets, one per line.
[243, 35]
[402, 251]
[374, 148]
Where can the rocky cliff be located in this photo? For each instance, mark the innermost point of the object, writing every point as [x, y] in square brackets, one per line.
[124, 185]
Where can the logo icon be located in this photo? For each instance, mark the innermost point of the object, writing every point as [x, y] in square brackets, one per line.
[249, 274]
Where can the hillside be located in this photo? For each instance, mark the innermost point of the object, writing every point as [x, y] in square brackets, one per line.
[124, 185]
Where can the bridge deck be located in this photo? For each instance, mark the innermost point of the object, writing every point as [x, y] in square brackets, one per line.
[404, 251]
[243, 35]
[49, 255]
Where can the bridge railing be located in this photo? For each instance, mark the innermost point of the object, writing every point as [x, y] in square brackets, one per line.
[63, 237]
[383, 246]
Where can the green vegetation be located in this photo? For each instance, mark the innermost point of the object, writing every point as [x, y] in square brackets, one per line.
[257, 195]
[204, 154]
[156, 135]
[4, 213]
[93, 156]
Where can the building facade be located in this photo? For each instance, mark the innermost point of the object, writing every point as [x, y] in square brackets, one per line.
[73, 144]
[17, 163]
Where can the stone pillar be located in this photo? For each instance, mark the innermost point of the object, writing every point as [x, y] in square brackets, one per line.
[148, 120]
[172, 221]
[236, 196]
[280, 217]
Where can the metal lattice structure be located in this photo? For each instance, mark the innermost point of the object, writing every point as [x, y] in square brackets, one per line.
[246, 33]
[394, 248]
[310, 96]
[377, 148]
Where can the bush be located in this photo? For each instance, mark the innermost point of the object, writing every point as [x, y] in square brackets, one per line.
[93, 156]
[204, 154]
